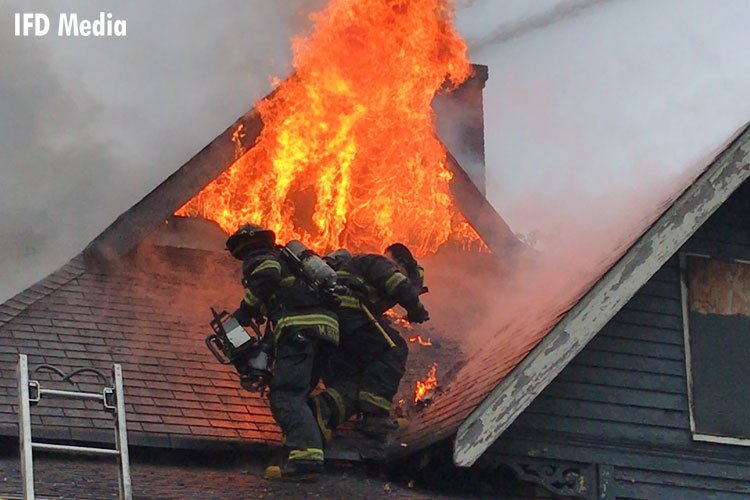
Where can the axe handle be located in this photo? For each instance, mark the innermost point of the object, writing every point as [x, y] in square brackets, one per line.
[377, 325]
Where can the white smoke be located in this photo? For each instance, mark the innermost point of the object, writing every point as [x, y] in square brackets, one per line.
[613, 102]
[595, 114]
[88, 126]
[542, 15]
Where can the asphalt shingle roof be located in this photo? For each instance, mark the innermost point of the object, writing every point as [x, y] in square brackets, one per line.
[150, 313]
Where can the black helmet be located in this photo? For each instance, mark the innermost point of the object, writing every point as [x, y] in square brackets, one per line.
[402, 256]
[338, 259]
[249, 237]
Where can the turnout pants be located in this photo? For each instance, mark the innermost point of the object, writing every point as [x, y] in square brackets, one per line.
[297, 369]
[363, 374]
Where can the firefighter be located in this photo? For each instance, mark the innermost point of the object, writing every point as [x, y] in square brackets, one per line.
[364, 373]
[304, 331]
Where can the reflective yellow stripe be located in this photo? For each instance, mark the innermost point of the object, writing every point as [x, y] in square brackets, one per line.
[307, 454]
[375, 400]
[339, 403]
[323, 426]
[394, 281]
[305, 320]
[267, 264]
[288, 281]
[349, 301]
[347, 274]
[250, 299]
[420, 272]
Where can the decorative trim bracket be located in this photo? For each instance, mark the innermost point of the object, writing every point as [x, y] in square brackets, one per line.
[572, 479]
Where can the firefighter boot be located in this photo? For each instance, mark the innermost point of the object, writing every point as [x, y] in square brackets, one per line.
[301, 466]
[377, 426]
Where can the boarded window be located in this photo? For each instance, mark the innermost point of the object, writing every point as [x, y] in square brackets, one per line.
[719, 326]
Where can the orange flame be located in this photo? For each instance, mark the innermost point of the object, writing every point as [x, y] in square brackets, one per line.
[402, 322]
[421, 341]
[427, 384]
[347, 156]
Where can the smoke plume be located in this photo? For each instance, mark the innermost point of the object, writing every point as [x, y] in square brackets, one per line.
[88, 126]
[535, 21]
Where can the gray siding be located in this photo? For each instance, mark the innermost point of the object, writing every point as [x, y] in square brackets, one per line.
[622, 402]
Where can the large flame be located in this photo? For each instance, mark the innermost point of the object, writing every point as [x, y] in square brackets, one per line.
[347, 156]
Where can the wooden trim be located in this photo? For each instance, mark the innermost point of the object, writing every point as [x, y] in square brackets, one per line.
[149, 213]
[720, 439]
[686, 337]
[644, 258]
[480, 213]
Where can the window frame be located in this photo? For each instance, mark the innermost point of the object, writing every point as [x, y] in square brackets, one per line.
[698, 436]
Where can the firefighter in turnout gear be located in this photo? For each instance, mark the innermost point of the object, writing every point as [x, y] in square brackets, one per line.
[305, 331]
[364, 373]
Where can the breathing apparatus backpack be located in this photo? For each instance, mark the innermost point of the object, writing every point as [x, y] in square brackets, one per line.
[252, 353]
[314, 270]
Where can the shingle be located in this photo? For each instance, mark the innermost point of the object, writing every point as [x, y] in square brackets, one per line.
[190, 396]
[158, 410]
[256, 435]
[214, 432]
[26, 319]
[52, 432]
[223, 407]
[138, 400]
[145, 417]
[92, 434]
[9, 309]
[199, 422]
[133, 426]
[166, 429]
[67, 323]
[81, 413]
[68, 422]
[206, 414]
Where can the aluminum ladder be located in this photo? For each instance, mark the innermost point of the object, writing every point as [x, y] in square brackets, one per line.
[30, 392]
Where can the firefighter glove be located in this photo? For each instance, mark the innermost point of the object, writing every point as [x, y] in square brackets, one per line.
[255, 382]
[418, 314]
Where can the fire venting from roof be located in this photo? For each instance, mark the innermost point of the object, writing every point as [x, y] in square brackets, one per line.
[423, 388]
[347, 156]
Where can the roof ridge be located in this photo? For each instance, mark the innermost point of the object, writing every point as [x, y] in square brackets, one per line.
[21, 301]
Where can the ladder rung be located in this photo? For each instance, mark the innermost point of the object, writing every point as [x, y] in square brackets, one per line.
[71, 394]
[75, 449]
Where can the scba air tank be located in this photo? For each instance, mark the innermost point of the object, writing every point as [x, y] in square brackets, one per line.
[313, 267]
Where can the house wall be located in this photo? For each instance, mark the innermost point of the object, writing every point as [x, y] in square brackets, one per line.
[618, 414]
